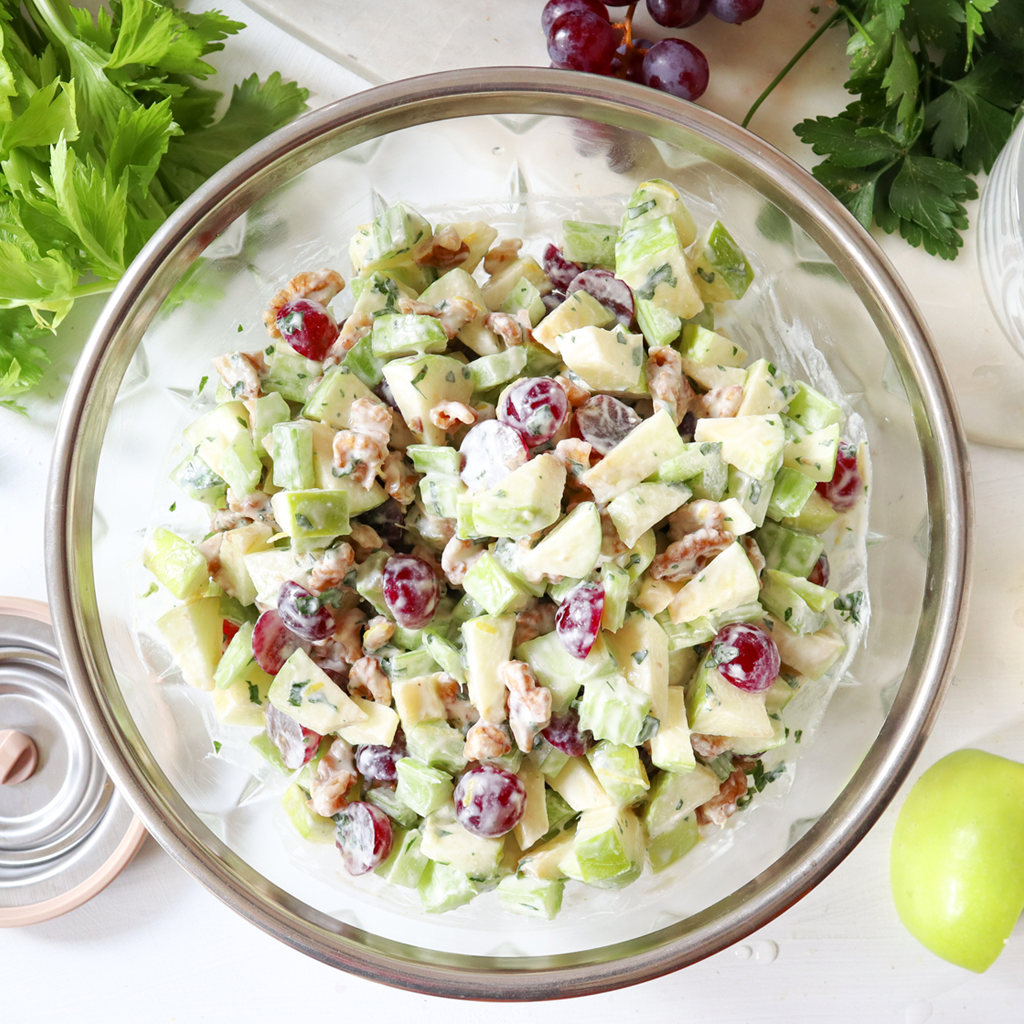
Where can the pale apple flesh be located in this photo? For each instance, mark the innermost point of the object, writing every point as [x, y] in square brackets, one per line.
[957, 859]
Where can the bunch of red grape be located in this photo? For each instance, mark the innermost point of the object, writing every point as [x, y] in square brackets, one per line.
[582, 37]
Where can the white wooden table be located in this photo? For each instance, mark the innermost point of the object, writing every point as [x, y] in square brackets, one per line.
[156, 946]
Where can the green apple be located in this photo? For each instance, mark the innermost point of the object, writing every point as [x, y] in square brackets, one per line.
[957, 860]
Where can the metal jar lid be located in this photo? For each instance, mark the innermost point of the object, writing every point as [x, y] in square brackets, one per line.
[65, 831]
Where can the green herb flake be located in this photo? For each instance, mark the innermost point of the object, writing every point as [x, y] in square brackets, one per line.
[216, 746]
[849, 605]
[254, 693]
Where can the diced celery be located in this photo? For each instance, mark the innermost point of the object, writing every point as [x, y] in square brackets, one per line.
[616, 596]
[410, 665]
[407, 334]
[657, 326]
[710, 349]
[800, 604]
[816, 516]
[421, 788]
[290, 374]
[437, 744]
[292, 452]
[609, 847]
[363, 363]
[789, 494]
[490, 371]
[308, 824]
[670, 846]
[791, 551]
[387, 800]
[525, 295]
[533, 897]
[812, 410]
[720, 266]
[493, 587]
[613, 710]
[405, 864]
[585, 242]
[442, 888]
[200, 482]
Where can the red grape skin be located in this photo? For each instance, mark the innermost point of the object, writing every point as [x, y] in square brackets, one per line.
[411, 590]
[735, 12]
[677, 67]
[677, 13]
[608, 290]
[578, 619]
[819, 574]
[843, 491]
[292, 599]
[583, 41]
[489, 801]
[490, 451]
[536, 407]
[364, 837]
[746, 656]
[561, 270]
[377, 762]
[296, 743]
[564, 733]
[554, 9]
[308, 327]
[273, 643]
[604, 421]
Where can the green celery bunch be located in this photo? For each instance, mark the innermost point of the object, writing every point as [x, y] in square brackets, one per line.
[104, 130]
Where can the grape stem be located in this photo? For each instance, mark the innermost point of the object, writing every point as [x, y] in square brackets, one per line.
[838, 15]
[626, 28]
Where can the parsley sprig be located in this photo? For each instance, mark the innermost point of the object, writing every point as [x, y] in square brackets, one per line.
[104, 130]
[939, 87]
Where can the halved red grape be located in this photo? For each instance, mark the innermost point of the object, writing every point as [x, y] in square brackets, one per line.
[677, 13]
[411, 590]
[735, 12]
[819, 574]
[561, 271]
[604, 421]
[378, 763]
[554, 9]
[536, 407]
[552, 300]
[489, 801]
[302, 613]
[490, 451]
[847, 485]
[746, 656]
[677, 67]
[582, 41]
[273, 643]
[308, 327]
[609, 291]
[296, 743]
[364, 837]
[228, 630]
[578, 619]
[564, 733]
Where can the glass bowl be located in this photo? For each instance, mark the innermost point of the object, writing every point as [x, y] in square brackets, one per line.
[528, 145]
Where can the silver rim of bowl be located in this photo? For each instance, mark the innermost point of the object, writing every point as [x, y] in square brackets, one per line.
[182, 239]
